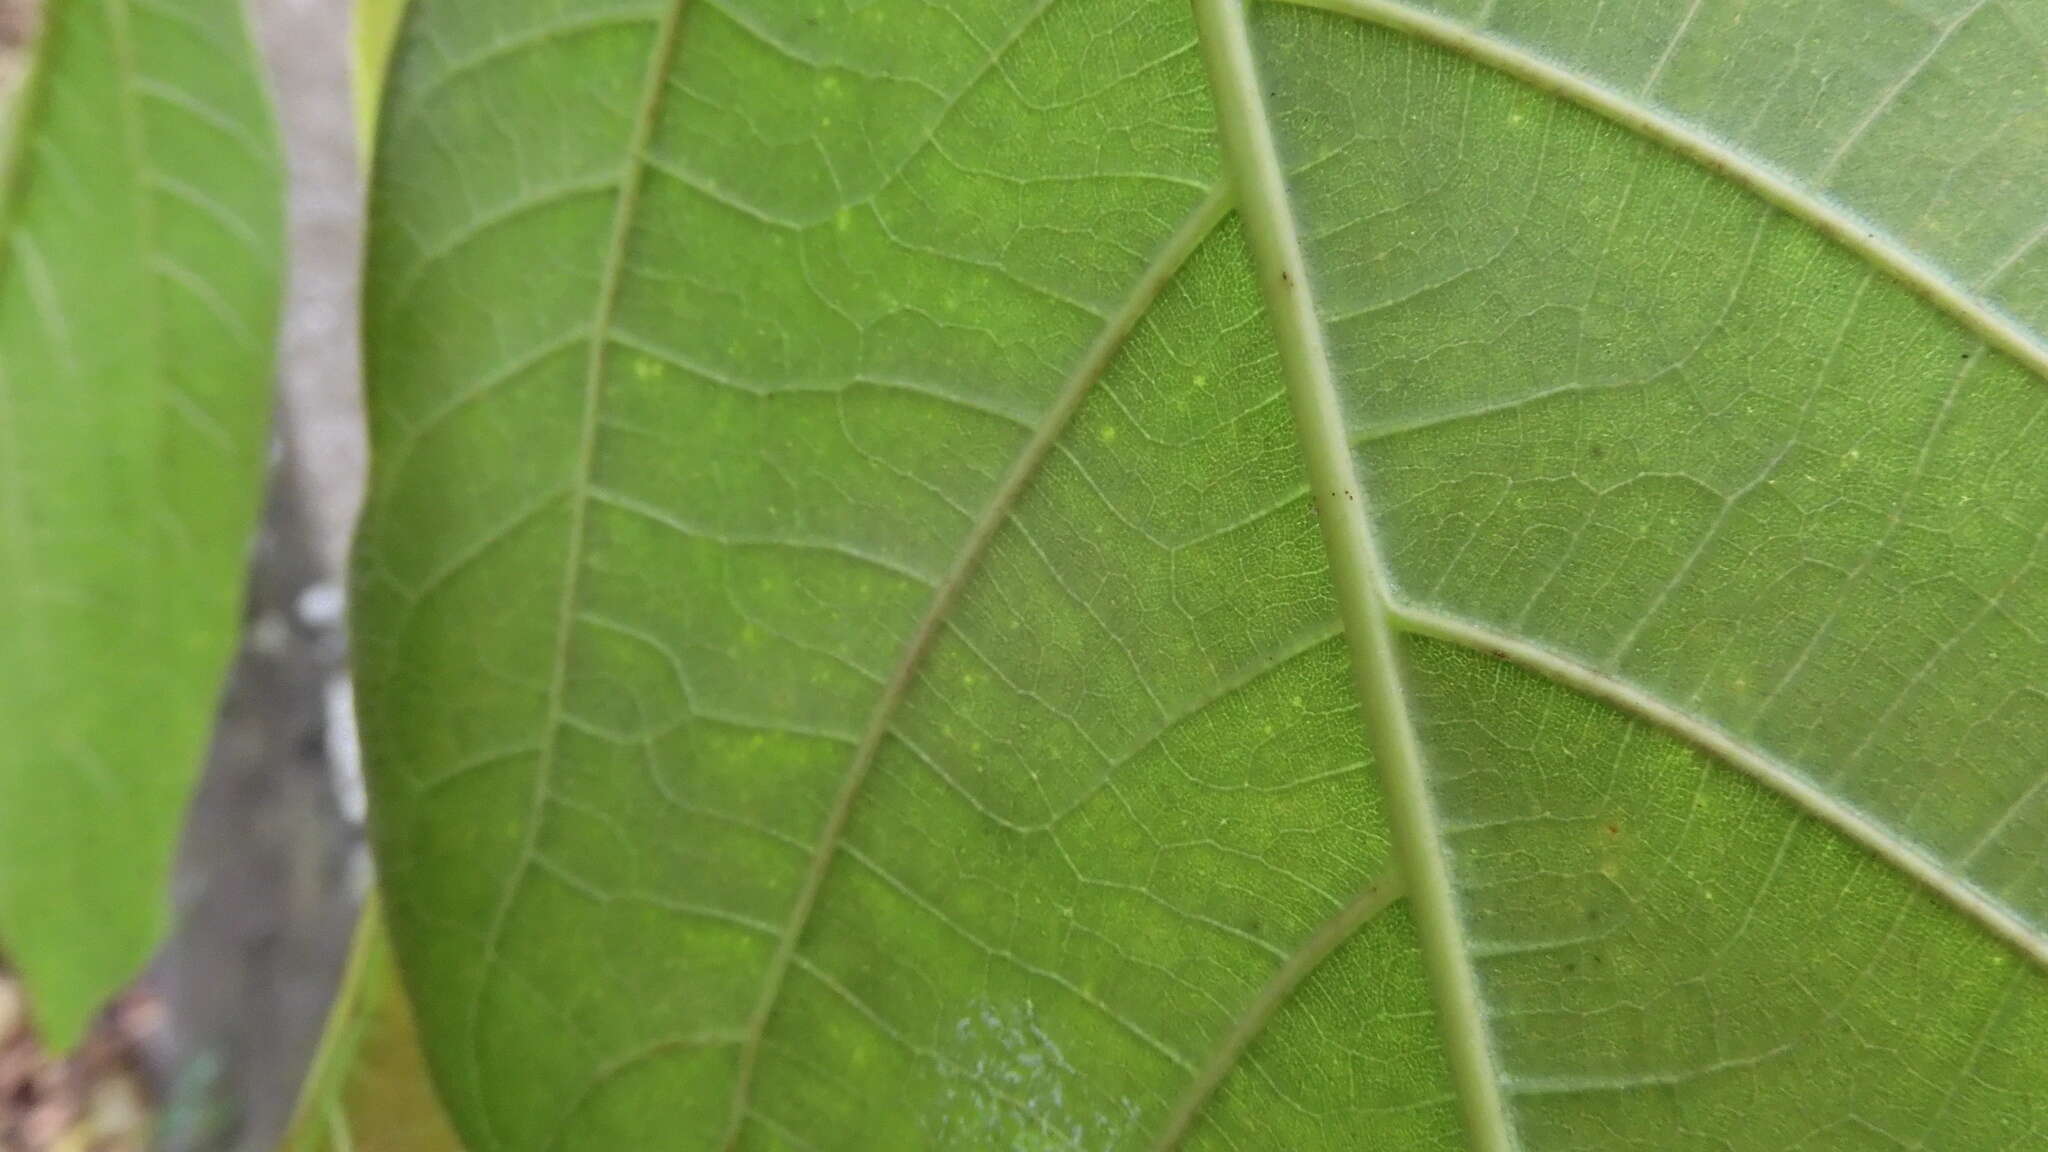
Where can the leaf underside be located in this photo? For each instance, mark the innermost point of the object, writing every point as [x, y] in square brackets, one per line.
[1070, 574]
[140, 254]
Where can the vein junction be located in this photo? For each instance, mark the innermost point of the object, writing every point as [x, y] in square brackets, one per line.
[1253, 159]
[1371, 614]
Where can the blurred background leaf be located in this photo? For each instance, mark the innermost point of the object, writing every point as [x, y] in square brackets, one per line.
[368, 1090]
[140, 279]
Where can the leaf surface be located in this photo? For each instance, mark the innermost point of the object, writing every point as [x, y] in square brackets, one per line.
[139, 277]
[1078, 575]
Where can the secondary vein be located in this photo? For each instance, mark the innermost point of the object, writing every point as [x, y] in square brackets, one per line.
[1094, 362]
[1367, 903]
[1254, 161]
[1941, 880]
[661, 59]
[1776, 188]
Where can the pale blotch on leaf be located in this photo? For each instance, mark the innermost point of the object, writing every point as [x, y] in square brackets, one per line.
[1007, 1083]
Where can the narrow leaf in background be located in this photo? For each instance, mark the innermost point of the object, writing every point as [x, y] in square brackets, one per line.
[368, 1090]
[1087, 574]
[140, 259]
[373, 26]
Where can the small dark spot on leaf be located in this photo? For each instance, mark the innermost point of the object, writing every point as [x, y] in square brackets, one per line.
[1597, 451]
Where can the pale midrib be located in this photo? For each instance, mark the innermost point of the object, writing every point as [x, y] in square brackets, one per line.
[632, 176]
[1777, 189]
[1952, 889]
[1091, 367]
[1254, 162]
[1363, 906]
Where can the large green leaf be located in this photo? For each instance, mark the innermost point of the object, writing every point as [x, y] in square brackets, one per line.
[139, 278]
[1084, 574]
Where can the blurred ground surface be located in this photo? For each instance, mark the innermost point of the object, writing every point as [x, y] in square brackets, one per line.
[208, 1048]
[97, 1101]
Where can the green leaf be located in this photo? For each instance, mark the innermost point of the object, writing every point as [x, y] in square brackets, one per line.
[368, 1089]
[139, 282]
[1094, 575]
